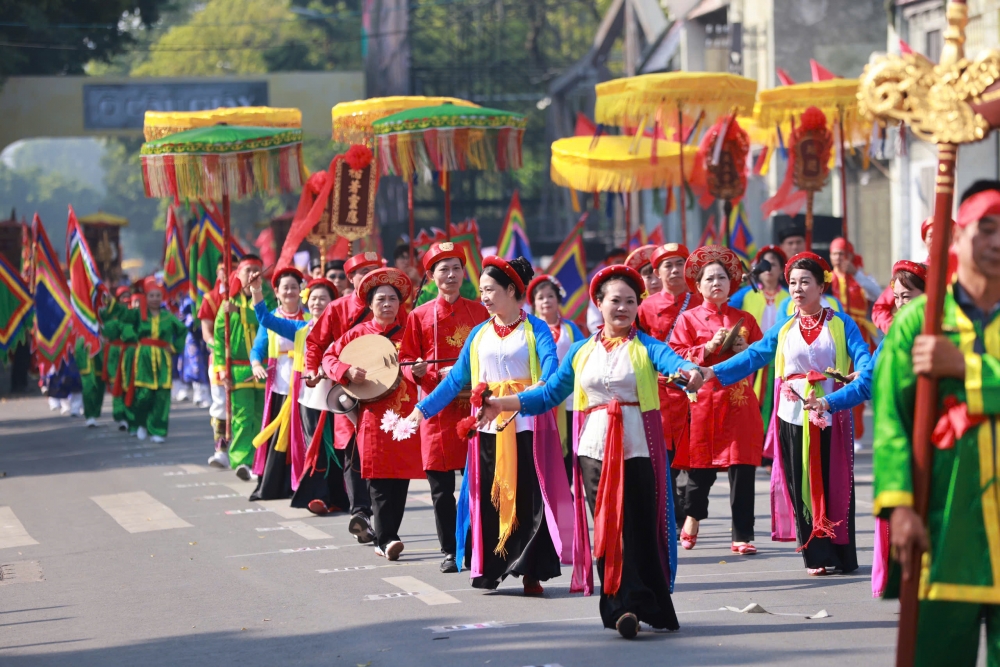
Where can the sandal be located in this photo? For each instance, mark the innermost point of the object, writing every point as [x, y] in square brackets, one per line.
[744, 549]
[317, 507]
[688, 541]
[532, 587]
[816, 571]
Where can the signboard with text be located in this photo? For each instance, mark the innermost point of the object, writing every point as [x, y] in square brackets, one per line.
[122, 106]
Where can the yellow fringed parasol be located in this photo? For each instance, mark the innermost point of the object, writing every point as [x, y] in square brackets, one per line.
[837, 98]
[632, 100]
[612, 167]
[159, 124]
[352, 121]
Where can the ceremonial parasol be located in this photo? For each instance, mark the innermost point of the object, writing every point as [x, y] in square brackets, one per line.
[448, 138]
[159, 124]
[663, 100]
[621, 164]
[216, 162]
[949, 104]
[352, 123]
[782, 107]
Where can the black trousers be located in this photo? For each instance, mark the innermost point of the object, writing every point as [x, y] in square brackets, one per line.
[443, 497]
[644, 589]
[388, 502]
[679, 479]
[326, 481]
[820, 551]
[741, 497]
[529, 548]
[276, 481]
[357, 490]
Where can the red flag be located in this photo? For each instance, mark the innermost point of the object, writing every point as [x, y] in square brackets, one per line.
[584, 126]
[265, 245]
[904, 48]
[656, 236]
[709, 236]
[820, 73]
[785, 78]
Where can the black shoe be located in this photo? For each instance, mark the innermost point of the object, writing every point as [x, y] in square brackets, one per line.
[361, 528]
[627, 626]
[448, 565]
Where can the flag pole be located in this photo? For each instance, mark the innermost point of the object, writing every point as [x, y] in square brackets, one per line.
[228, 261]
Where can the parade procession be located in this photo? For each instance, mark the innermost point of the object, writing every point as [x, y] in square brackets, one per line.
[533, 357]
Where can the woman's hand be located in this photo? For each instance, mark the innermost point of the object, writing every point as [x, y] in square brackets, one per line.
[717, 340]
[488, 413]
[419, 369]
[224, 379]
[416, 416]
[740, 344]
[817, 404]
[256, 291]
[853, 376]
[355, 374]
[259, 371]
[230, 307]
[695, 382]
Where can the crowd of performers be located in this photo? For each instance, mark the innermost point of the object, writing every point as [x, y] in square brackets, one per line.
[687, 372]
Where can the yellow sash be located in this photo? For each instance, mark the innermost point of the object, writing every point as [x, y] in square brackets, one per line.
[504, 491]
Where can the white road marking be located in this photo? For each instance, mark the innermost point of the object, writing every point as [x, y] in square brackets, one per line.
[296, 550]
[465, 626]
[252, 510]
[304, 530]
[424, 592]
[12, 533]
[139, 512]
[195, 484]
[218, 497]
[282, 509]
[270, 528]
[188, 469]
[347, 569]
[388, 596]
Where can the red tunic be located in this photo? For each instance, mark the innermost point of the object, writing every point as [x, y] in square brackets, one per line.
[381, 456]
[340, 315]
[855, 303]
[726, 426]
[656, 316]
[437, 330]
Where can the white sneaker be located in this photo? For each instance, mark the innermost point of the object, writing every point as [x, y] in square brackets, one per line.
[181, 396]
[91, 422]
[142, 433]
[158, 439]
[244, 473]
[219, 460]
[65, 410]
[123, 425]
[204, 405]
[393, 549]
[858, 447]
[53, 404]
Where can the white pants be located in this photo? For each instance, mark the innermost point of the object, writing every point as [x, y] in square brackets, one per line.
[218, 408]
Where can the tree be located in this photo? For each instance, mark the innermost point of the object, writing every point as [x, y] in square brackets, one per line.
[31, 191]
[61, 36]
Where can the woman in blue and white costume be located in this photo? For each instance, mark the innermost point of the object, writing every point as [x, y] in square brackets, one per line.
[621, 466]
[514, 492]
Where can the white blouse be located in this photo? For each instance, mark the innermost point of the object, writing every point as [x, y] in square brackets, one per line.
[503, 359]
[605, 376]
[283, 364]
[800, 358]
[562, 349]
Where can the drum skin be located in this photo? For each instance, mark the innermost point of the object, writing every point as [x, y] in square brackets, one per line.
[378, 356]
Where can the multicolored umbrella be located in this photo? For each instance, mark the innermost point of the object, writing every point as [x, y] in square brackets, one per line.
[448, 138]
[220, 162]
[352, 121]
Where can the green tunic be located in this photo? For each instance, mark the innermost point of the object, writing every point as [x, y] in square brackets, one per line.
[159, 338]
[963, 563]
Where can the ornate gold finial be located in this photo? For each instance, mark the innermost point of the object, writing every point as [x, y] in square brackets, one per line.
[954, 102]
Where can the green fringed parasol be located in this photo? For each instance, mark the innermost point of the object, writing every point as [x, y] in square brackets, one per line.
[223, 161]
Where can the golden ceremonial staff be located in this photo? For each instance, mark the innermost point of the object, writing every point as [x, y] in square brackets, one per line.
[951, 103]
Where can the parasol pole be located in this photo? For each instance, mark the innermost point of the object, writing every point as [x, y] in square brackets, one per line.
[227, 255]
[843, 177]
[627, 205]
[447, 204]
[409, 208]
[809, 220]
[683, 204]
[925, 407]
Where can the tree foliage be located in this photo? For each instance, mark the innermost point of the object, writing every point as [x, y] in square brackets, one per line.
[49, 194]
[61, 36]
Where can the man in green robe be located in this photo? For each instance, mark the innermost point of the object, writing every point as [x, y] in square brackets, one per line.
[92, 380]
[960, 572]
[246, 393]
[158, 335]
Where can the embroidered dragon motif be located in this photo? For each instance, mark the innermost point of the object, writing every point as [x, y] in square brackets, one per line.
[457, 338]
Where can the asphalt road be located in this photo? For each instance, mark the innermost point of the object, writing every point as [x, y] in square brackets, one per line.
[120, 552]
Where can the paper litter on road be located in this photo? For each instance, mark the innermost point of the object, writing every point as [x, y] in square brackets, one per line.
[754, 608]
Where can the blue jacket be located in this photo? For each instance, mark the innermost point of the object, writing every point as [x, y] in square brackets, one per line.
[856, 392]
[761, 353]
[461, 373]
[558, 387]
[269, 321]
